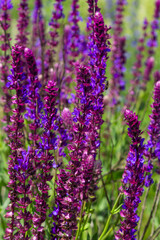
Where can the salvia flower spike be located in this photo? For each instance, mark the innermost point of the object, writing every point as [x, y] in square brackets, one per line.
[18, 165]
[133, 179]
[5, 6]
[23, 22]
[152, 44]
[118, 55]
[153, 145]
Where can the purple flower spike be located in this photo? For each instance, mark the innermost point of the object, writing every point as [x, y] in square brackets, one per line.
[55, 25]
[92, 7]
[39, 41]
[133, 179]
[19, 167]
[99, 47]
[34, 103]
[5, 6]
[74, 18]
[153, 145]
[136, 70]
[152, 44]
[118, 55]
[23, 22]
[157, 9]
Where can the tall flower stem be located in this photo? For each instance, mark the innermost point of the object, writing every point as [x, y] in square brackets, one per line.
[80, 220]
[109, 218]
[155, 234]
[152, 210]
[86, 219]
[106, 235]
[5, 37]
[154, 214]
[105, 190]
[142, 211]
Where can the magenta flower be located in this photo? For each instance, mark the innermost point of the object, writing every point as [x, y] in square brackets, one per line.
[153, 145]
[118, 55]
[74, 18]
[5, 6]
[152, 44]
[23, 22]
[133, 179]
[19, 167]
[137, 67]
[39, 42]
[55, 25]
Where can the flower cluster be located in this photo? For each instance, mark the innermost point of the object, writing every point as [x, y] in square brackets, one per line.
[56, 126]
[118, 55]
[133, 179]
[137, 67]
[74, 18]
[23, 22]
[19, 167]
[55, 25]
[153, 145]
[70, 184]
[39, 42]
[98, 58]
[5, 6]
[78, 182]
[152, 43]
[34, 103]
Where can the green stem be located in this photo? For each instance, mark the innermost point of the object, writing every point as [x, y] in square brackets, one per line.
[106, 235]
[86, 220]
[110, 216]
[80, 220]
[105, 191]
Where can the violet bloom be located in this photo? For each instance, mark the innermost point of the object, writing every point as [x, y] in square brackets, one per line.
[18, 165]
[78, 182]
[39, 41]
[77, 42]
[71, 183]
[23, 22]
[152, 44]
[55, 25]
[34, 103]
[136, 70]
[147, 71]
[52, 125]
[99, 47]
[5, 6]
[73, 52]
[92, 7]
[156, 76]
[153, 145]
[118, 55]
[67, 119]
[133, 179]
[35, 21]
[74, 18]
[34, 114]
